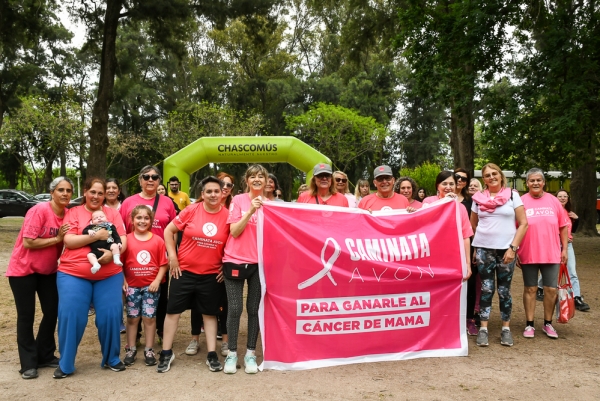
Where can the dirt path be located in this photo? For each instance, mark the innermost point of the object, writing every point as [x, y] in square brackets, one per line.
[534, 368]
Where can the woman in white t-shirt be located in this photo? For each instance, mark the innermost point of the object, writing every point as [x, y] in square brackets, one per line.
[493, 216]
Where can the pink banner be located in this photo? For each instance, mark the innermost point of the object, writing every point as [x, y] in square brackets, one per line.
[344, 286]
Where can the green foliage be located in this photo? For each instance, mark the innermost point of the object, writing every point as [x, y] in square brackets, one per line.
[350, 140]
[424, 175]
[39, 131]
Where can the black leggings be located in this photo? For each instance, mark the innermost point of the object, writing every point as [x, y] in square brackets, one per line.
[34, 351]
[472, 292]
[235, 297]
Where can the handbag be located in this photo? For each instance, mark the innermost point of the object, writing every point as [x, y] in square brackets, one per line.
[565, 304]
[233, 271]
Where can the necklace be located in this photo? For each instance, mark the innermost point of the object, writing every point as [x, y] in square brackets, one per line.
[538, 197]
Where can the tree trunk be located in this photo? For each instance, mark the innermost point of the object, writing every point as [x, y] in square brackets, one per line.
[96, 165]
[462, 136]
[63, 163]
[583, 190]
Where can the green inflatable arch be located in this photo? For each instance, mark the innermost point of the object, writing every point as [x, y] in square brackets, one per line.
[241, 149]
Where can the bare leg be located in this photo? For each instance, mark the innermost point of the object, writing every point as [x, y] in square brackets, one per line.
[149, 330]
[549, 302]
[529, 302]
[210, 329]
[94, 261]
[114, 248]
[171, 322]
[132, 324]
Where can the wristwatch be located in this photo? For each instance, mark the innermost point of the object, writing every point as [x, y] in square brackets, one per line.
[514, 248]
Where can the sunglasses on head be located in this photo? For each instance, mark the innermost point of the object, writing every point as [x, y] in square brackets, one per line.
[459, 177]
[146, 177]
[228, 185]
[344, 180]
[322, 176]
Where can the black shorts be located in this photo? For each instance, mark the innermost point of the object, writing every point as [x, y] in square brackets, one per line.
[201, 292]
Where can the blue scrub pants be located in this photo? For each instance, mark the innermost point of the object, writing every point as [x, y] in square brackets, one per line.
[74, 298]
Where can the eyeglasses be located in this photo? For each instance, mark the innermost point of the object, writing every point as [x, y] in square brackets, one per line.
[146, 177]
[343, 180]
[382, 178]
[459, 177]
[228, 185]
[323, 176]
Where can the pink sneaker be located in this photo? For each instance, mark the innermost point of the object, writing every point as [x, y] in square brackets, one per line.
[549, 330]
[471, 327]
[529, 332]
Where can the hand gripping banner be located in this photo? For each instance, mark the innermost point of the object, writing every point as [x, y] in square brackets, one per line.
[343, 286]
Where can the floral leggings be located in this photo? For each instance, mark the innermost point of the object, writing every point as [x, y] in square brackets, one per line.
[490, 267]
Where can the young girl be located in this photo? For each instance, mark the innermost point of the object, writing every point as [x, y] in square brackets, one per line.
[145, 267]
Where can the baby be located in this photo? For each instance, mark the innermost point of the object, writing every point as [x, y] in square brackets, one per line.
[113, 242]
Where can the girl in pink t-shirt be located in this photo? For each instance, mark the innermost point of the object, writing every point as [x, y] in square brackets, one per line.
[145, 265]
[241, 263]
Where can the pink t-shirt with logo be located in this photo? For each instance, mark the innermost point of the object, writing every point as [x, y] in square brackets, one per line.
[142, 260]
[545, 217]
[164, 214]
[74, 261]
[242, 249]
[40, 222]
[467, 229]
[373, 202]
[204, 237]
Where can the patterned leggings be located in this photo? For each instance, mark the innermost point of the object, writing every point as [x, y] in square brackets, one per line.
[490, 267]
[235, 297]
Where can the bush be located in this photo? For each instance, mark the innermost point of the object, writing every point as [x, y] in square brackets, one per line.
[424, 175]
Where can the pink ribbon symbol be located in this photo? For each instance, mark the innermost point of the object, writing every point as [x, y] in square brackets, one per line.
[327, 266]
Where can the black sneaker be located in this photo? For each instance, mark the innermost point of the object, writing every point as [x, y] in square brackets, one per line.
[581, 305]
[164, 362]
[130, 354]
[30, 374]
[52, 364]
[219, 335]
[59, 374]
[150, 357]
[539, 295]
[212, 361]
[119, 367]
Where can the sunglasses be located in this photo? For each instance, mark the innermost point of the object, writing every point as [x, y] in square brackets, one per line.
[228, 185]
[459, 177]
[382, 178]
[323, 176]
[146, 177]
[344, 180]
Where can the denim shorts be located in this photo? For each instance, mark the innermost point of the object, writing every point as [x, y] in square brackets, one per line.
[140, 299]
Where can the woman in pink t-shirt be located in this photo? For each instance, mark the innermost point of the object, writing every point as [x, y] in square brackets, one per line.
[32, 269]
[543, 249]
[408, 187]
[322, 188]
[240, 263]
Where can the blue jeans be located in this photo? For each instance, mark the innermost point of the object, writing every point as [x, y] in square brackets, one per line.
[74, 298]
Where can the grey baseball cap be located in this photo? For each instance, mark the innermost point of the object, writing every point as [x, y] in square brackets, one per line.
[322, 168]
[382, 170]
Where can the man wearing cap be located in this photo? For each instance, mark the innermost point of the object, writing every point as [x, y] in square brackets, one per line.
[181, 198]
[322, 190]
[385, 198]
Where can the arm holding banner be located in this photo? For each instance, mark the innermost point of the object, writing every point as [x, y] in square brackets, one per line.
[236, 229]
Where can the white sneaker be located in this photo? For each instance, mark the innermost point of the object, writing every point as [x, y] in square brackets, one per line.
[224, 349]
[250, 364]
[230, 364]
[192, 349]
